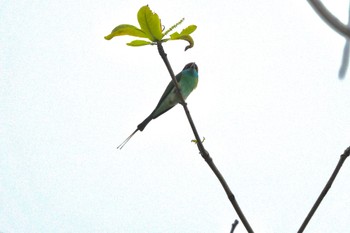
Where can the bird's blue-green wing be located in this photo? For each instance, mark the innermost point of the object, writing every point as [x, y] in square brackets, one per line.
[167, 91]
[169, 88]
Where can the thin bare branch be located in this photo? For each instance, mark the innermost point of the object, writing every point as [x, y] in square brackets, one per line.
[329, 18]
[325, 190]
[346, 52]
[234, 225]
[200, 146]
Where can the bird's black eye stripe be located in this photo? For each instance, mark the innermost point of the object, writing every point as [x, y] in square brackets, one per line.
[190, 65]
[196, 67]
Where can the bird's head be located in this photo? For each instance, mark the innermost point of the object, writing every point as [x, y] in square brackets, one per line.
[191, 65]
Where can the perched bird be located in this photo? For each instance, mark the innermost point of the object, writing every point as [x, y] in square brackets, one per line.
[187, 80]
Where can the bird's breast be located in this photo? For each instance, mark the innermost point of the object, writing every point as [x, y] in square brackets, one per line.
[187, 84]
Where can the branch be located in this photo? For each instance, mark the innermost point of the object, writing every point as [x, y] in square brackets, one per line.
[234, 225]
[200, 146]
[346, 52]
[330, 19]
[345, 60]
[325, 190]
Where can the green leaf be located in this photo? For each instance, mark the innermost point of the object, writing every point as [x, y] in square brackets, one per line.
[196, 142]
[184, 32]
[174, 36]
[151, 28]
[126, 29]
[139, 43]
[188, 30]
[150, 23]
[184, 35]
[188, 38]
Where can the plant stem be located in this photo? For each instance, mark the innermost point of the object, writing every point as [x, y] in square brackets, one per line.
[325, 189]
[234, 225]
[330, 19]
[200, 146]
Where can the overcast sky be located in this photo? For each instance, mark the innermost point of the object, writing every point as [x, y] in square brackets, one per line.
[275, 117]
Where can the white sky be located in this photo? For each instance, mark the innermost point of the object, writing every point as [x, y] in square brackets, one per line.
[269, 103]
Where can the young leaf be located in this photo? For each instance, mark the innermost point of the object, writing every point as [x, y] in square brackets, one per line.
[175, 36]
[138, 43]
[189, 39]
[150, 23]
[184, 35]
[184, 32]
[150, 28]
[126, 29]
[188, 30]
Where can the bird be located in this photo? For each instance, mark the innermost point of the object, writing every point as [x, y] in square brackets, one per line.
[187, 80]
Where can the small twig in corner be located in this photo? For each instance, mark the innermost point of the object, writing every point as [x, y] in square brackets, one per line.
[330, 19]
[234, 226]
[346, 51]
[325, 190]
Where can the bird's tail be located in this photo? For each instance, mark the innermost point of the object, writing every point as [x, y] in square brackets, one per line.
[140, 127]
[144, 123]
[126, 140]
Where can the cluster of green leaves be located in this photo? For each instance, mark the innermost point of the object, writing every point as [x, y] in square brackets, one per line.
[151, 29]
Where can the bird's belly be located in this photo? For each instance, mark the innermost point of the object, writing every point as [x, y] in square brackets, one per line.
[170, 101]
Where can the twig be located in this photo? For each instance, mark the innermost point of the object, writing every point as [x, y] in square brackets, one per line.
[330, 19]
[345, 60]
[346, 52]
[200, 146]
[325, 190]
[234, 226]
